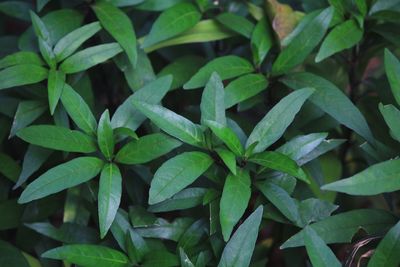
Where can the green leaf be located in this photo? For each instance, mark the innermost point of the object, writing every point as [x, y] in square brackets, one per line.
[90, 57]
[160, 258]
[212, 101]
[40, 28]
[34, 158]
[386, 252]
[105, 137]
[314, 210]
[204, 31]
[279, 162]
[303, 43]
[332, 100]
[136, 246]
[146, 148]
[391, 115]
[67, 45]
[88, 255]
[244, 88]
[239, 249]
[274, 124]
[78, 110]
[343, 36]
[127, 115]
[185, 261]
[63, 176]
[234, 200]
[236, 23]
[58, 138]
[55, 85]
[281, 199]
[392, 68]
[177, 173]
[377, 179]
[227, 135]
[185, 199]
[182, 69]
[172, 123]
[120, 29]
[172, 22]
[110, 190]
[261, 41]
[157, 5]
[27, 112]
[9, 167]
[193, 235]
[302, 145]
[228, 158]
[165, 230]
[19, 58]
[16, 9]
[19, 75]
[340, 228]
[69, 233]
[227, 67]
[320, 254]
[11, 256]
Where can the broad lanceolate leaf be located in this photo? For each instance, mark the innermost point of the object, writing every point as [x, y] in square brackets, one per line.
[243, 88]
[146, 148]
[40, 28]
[239, 249]
[343, 36]
[377, 179]
[303, 43]
[392, 68]
[234, 201]
[22, 75]
[182, 69]
[110, 190]
[228, 158]
[279, 162]
[236, 23]
[88, 256]
[11, 256]
[27, 112]
[341, 228]
[320, 254]
[177, 173]
[187, 198]
[227, 67]
[9, 167]
[58, 138]
[63, 176]
[204, 31]
[274, 124]
[78, 110]
[332, 100]
[172, 22]
[105, 137]
[55, 86]
[34, 157]
[119, 26]
[261, 41]
[90, 57]
[386, 254]
[228, 136]
[172, 123]
[127, 115]
[21, 57]
[72, 41]
[391, 115]
[281, 200]
[212, 101]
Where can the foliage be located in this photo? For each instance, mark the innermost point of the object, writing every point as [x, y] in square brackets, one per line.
[199, 133]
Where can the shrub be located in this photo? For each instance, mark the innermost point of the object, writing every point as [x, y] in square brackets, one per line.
[199, 133]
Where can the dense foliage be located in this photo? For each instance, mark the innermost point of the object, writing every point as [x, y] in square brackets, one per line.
[199, 133]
